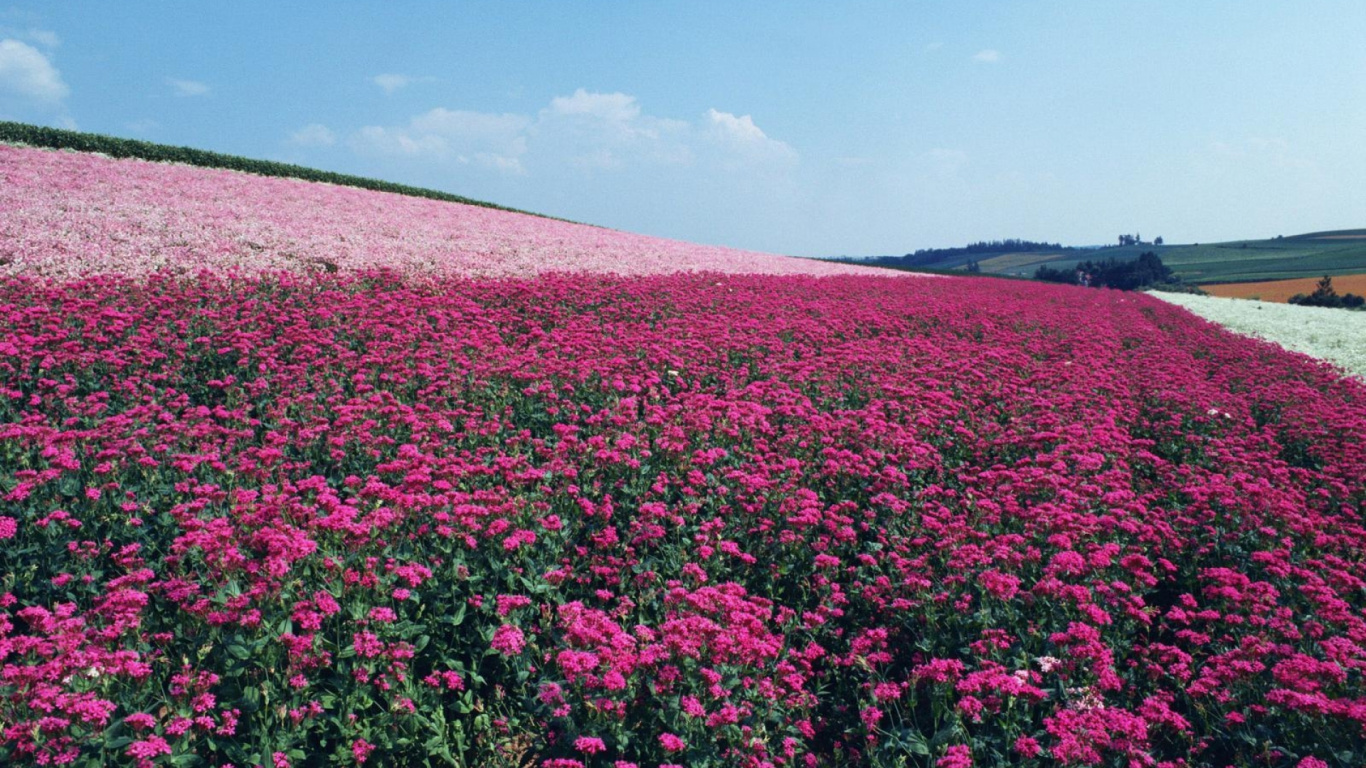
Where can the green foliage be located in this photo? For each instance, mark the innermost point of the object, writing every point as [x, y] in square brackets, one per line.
[57, 138]
[1147, 270]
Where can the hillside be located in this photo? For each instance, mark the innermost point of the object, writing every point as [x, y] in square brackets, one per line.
[70, 213]
[1315, 254]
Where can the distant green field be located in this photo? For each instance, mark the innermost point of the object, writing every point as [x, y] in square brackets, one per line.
[1314, 254]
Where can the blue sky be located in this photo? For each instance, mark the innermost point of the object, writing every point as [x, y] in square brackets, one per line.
[810, 128]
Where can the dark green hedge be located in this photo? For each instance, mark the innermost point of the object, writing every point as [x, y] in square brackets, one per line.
[56, 138]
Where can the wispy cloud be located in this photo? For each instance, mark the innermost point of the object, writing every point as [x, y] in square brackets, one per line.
[187, 87]
[391, 82]
[27, 74]
[44, 37]
[313, 135]
[585, 131]
[744, 141]
[490, 140]
[987, 55]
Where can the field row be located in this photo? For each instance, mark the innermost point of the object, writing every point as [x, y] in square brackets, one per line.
[1282, 290]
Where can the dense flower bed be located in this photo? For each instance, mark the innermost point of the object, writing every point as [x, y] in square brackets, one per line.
[65, 214]
[692, 520]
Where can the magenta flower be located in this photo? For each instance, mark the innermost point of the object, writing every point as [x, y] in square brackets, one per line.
[589, 745]
[956, 756]
[672, 743]
[508, 640]
[361, 749]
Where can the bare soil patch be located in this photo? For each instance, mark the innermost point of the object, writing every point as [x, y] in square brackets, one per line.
[1282, 290]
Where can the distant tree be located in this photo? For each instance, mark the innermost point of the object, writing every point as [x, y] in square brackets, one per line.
[1124, 274]
[1050, 275]
[926, 257]
[1157, 240]
[1323, 291]
[1325, 296]
[974, 267]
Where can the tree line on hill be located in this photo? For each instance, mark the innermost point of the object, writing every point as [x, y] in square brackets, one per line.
[1125, 274]
[930, 256]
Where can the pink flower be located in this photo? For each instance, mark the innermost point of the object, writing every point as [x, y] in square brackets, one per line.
[8, 528]
[508, 640]
[589, 745]
[140, 721]
[147, 749]
[1027, 747]
[672, 743]
[361, 749]
[956, 756]
[367, 644]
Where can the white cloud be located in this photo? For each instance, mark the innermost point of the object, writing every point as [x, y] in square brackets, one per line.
[187, 87]
[313, 135]
[987, 55]
[26, 73]
[45, 37]
[585, 131]
[390, 82]
[607, 131]
[494, 141]
[740, 129]
[741, 137]
[612, 107]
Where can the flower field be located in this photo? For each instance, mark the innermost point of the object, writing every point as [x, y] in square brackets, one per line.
[67, 214]
[406, 513]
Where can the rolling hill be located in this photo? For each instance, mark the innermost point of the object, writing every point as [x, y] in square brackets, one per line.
[1313, 254]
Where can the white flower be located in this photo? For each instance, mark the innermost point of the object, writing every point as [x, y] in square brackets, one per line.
[1335, 335]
